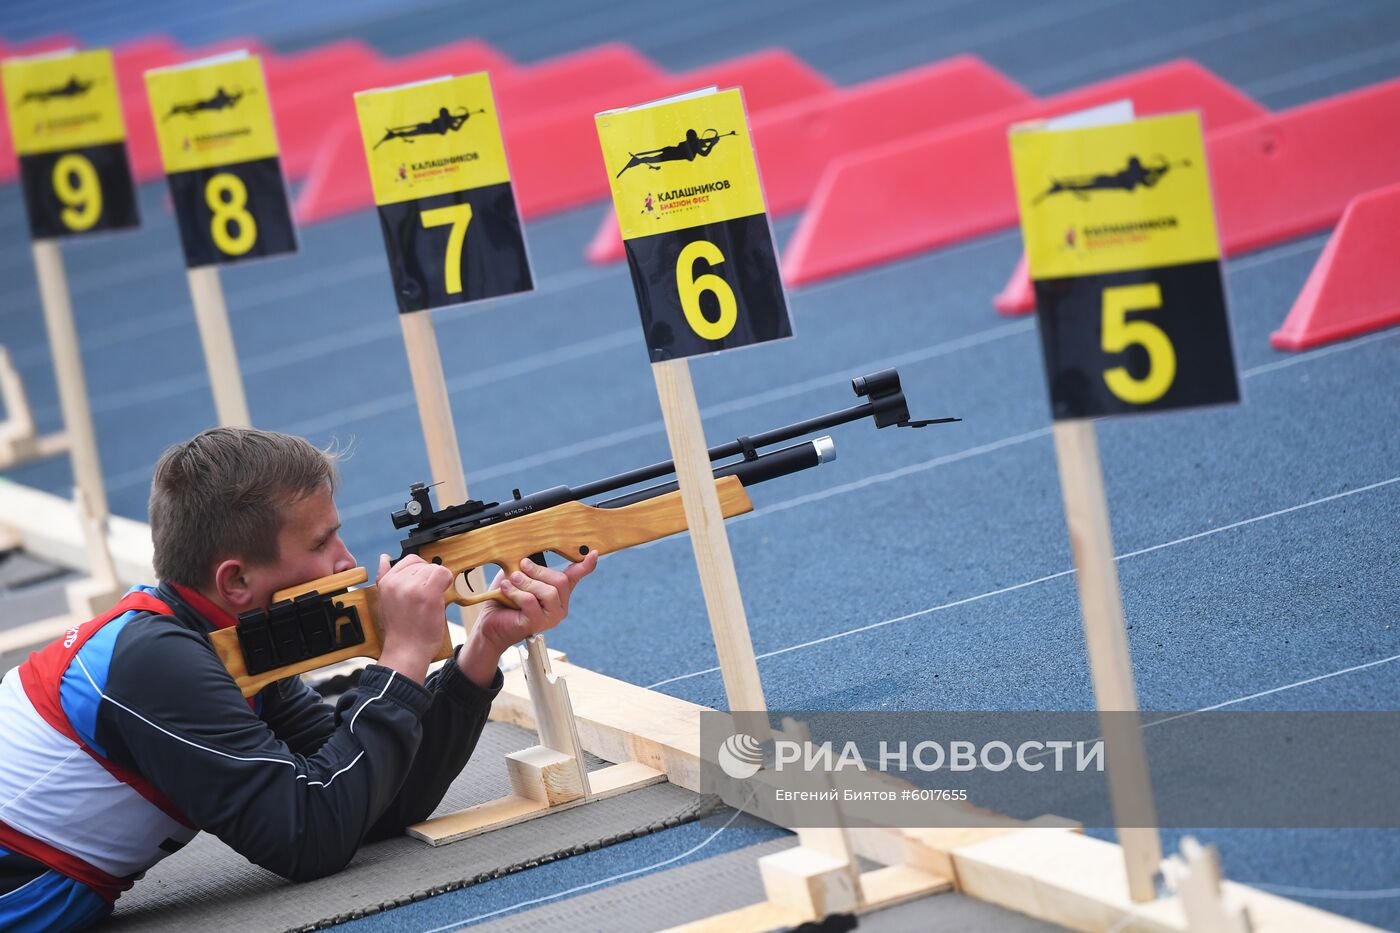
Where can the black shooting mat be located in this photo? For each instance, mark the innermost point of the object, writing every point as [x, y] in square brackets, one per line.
[731, 881]
[207, 885]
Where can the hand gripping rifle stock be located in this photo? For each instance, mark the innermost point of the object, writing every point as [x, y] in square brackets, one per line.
[326, 621]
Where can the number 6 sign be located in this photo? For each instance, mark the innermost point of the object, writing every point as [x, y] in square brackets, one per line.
[692, 217]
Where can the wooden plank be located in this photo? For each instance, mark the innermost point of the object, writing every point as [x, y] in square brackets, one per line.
[215, 335]
[19, 441]
[898, 884]
[495, 814]
[709, 539]
[507, 811]
[49, 528]
[1080, 882]
[1105, 634]
[37, 633]
[620, 778]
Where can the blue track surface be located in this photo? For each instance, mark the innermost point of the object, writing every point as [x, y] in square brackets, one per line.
[922, 570]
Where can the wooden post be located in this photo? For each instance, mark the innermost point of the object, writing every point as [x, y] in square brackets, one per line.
[1101, 603]
[225, 380]
[1196, 878]
[439, 431]
[708, 537]
[553, 712]
[68, 370]
[20, 442]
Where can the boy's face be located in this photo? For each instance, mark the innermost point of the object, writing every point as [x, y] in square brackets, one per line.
[308, 547]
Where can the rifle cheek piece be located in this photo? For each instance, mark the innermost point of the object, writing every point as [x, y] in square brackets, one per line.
[296, 629]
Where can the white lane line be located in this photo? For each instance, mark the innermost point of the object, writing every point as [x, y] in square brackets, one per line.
[1054, 576]
[457, 924]
[1252, 260]
[1288, 890]
[1297, 77]
[1126, 55]
[1297, 358]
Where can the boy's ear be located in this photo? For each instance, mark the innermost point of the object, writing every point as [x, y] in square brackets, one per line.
[231, 585]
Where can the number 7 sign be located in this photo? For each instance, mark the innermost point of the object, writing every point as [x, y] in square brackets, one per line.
[446, 206]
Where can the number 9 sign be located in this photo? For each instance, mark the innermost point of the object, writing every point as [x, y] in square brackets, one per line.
[66, 120]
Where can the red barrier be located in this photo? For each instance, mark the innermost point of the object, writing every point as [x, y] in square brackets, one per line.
[308, 114]
[554, 155]
[938, 188]
[1355, 286]
[796, 143]
[38, 46]
[338, 181]
[1288, 174]
[601, 69]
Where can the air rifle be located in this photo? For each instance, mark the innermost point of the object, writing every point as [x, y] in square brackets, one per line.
[333, 619]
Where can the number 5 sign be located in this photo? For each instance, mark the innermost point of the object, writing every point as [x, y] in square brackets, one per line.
[1121, 243]
[440, 178]
[692, 217]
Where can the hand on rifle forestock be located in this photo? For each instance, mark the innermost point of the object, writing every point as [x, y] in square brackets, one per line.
[541, 597]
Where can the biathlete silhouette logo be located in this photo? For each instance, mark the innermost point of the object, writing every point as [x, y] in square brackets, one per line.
[1135, 176]
[694, 144]
[222, 100]
[445, 122]
[74, 88]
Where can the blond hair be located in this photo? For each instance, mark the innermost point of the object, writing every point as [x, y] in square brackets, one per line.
[222, 494]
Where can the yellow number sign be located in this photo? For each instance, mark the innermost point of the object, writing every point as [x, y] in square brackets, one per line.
[1122, 247]
[690, 209]
[438, 167]
[217, 140]
[66, 119]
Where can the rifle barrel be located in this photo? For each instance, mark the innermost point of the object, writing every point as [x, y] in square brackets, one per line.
[763, 467]
[731, 449]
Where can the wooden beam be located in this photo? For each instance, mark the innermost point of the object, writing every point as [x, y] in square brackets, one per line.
[507, 811]
[1081, 883]
[50, 528]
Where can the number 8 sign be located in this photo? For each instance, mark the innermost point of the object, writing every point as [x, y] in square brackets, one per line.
[214, 124]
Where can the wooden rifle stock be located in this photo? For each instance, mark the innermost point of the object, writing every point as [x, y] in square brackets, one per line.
[572, 530]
